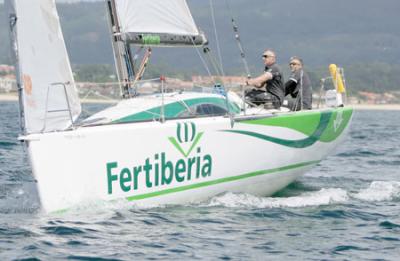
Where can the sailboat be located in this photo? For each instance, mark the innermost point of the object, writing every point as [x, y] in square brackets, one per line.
[170, 147]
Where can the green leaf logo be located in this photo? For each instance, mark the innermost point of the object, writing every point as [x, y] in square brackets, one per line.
[186, 137]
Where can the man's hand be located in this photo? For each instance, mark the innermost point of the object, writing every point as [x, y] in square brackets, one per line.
[268, 76]
[260, 80]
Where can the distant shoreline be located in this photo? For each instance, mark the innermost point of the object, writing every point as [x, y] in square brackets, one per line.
[381, 107]
[387, 107]
[8, 97]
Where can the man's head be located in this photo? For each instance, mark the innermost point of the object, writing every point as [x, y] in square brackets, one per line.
[295, 63]
[269, 57]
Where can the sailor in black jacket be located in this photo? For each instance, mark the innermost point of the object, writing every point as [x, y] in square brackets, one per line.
[270, 82]
[298, 86]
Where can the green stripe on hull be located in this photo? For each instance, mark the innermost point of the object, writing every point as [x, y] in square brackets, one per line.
[330, 125]
[303, 143]
[219, 181]
[306, 122]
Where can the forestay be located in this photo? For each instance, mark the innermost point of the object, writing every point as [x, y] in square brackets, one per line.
[157, 22]
[48, 96]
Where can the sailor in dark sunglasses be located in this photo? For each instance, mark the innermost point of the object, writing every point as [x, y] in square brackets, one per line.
[268, 85]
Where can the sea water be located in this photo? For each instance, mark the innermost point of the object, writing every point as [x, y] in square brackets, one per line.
[346, 208]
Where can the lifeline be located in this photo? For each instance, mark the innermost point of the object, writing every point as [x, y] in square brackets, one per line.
[159, 172]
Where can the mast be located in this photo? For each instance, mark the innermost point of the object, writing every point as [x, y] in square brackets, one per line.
[122, 57]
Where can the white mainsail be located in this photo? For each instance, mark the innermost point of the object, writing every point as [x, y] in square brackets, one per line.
[165, 18]
[49, 97]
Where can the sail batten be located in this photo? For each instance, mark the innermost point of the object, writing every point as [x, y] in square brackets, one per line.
[157, 22]
[48, 93]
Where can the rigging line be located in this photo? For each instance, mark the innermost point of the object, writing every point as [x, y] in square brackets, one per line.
[239, 43]
[215, 64]
[128, 62]
[142, 68]
[136, 56]
[301, 89]
[143, 65]
[15, 57]
[125, 81]
[341, 71]
[226, 97]
[117, 83]
[216, 38]
[97, 94]
[201, 58]
[212, 61]
[299, 97]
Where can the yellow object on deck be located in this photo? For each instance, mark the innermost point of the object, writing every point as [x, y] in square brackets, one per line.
[337, 78]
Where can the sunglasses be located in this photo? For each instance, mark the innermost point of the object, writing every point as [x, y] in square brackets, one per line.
[266, 56]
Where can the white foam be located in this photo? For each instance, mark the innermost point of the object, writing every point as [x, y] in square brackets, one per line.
[101, 207]
[377, 191]
[316, 198]
[380, 191]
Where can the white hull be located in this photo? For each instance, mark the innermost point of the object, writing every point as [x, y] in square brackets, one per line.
[130, 154]
[99, 163]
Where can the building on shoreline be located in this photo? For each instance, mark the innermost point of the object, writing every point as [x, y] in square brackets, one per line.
[7, 79]
[379, 98]
[6, 69]
[8, 84]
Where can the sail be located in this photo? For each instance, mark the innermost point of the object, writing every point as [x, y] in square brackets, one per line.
[48, 95]
[157, 22]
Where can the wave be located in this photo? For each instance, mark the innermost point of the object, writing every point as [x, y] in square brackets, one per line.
[377, 191]
[380, 191]
[360, 153]
[7, 144]
[16, 201]
[100, 208]
[315, 198]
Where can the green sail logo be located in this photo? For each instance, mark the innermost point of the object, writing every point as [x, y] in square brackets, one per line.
[151, 39]
[186, 138]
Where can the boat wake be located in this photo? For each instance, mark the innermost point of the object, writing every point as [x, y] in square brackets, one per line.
[315, 198]
[377, 191]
